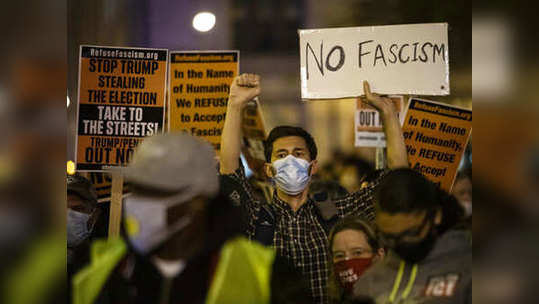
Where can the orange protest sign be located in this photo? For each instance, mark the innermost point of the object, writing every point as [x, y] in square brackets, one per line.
[121, 100]
[436, 135]
[198, 92]
[368, 124]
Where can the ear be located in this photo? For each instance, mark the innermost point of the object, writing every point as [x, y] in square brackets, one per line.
[438, 217]
[314, 167]
[269, 170]
[381, 253]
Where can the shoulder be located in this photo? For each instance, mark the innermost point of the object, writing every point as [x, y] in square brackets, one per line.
[376, 279]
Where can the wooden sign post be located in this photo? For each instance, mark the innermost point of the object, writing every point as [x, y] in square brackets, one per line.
[115, 215]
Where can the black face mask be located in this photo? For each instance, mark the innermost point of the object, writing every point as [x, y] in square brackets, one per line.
[417, 251]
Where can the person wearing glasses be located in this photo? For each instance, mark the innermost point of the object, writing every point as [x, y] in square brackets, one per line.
[354, 247]
[296, 223]
[430, 255]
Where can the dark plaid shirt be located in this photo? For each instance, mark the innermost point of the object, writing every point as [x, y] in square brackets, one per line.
[299, 236]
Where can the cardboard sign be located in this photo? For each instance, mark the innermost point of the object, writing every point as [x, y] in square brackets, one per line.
[395, 59]
[368, 124]
[254, 131]
[198, 92]
[121, 100]
[254, 134]
[436, 135]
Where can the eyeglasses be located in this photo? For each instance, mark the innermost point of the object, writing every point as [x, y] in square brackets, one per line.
[391, 240]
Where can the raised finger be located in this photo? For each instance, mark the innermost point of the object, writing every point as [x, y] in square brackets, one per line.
[366, 88]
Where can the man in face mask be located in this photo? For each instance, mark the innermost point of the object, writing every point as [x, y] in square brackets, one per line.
[82, 214]
[430, 256]
[182, 236]
[297, 226]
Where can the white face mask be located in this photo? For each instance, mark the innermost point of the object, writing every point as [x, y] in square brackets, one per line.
[291, 174]
[145, 220]
[77, 227]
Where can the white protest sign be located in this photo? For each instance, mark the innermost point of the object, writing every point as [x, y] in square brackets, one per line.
[395, 59]
[368, 123]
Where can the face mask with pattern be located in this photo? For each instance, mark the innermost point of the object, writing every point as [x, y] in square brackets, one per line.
[348, 272]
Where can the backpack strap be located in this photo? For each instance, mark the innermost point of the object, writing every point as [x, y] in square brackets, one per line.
[265, 225]
[326, 210]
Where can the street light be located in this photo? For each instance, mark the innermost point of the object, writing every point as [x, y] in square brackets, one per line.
[204, 21]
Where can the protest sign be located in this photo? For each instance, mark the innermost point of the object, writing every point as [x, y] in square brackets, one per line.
[254, 134]
[102, 183]
[121, 100]
[253, 128]
[436, 135]
[198, 92]
[368, 124]
[395, 59]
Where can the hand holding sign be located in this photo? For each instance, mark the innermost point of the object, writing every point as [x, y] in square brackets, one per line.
[244, 88]
[396, 150]
[384, 105]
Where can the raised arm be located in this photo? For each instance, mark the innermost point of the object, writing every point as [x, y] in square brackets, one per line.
[244, 88]
[396, 149]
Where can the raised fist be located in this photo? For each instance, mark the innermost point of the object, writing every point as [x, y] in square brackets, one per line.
[244, 88]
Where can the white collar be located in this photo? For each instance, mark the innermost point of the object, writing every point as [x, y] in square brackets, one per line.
[168, 268]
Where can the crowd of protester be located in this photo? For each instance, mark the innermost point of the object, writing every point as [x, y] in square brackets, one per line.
[197, 231]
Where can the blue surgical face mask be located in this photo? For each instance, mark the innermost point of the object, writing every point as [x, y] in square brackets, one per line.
[291, 174]
[77, 227]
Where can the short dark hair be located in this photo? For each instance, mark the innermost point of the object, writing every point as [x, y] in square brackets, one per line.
[80, 186]
[284, 131]
[407, 191]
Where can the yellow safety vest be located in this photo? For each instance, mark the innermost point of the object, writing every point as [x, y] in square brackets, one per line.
[104, 256]
[243, 274]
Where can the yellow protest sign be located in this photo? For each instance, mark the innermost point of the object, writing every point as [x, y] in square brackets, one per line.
[254, 134]
[436, 135]
[102, 183]
[121, 100]
[198, 92]
[368, 124]
[254, 130]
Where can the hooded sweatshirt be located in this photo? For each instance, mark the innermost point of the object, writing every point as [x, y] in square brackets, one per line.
[443, 277]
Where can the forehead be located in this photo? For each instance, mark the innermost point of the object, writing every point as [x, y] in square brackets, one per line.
[398, 222]
[350, 238]
[289, 143]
